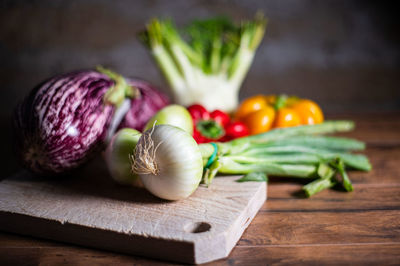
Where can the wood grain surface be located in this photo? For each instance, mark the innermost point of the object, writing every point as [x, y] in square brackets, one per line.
[333, 227]
[202, 228]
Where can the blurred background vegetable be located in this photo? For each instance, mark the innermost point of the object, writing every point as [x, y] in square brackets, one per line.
[293, 111]
[309, 112]
[214, 126]
[260, 113]
[207, 62]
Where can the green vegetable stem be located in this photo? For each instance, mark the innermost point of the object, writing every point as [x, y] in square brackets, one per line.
[302, 152]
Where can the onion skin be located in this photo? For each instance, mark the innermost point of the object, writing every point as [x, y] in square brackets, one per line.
[149, 102]
[118, 157]
[175, 115]
[64, 121]
[176, 165]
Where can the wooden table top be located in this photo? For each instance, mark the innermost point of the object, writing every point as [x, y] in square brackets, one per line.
[332, 227]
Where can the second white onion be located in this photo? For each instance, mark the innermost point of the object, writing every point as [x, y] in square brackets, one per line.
[169, 162]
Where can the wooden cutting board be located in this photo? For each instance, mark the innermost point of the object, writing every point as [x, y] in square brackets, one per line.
[89, 209]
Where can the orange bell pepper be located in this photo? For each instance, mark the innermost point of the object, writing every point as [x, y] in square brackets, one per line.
[260, 120]
[261, 113]
[310, 113]
[250, 105]
[287, 117]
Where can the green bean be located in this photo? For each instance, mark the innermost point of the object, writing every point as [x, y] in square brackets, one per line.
[293, 170]
[325, 142]
[318, 185]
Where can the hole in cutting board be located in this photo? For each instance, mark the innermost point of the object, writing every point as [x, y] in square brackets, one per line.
[199, 227]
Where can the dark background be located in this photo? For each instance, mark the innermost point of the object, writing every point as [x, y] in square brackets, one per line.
[343, 54]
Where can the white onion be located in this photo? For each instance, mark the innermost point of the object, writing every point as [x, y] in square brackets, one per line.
[121, 146]
[168, 161]
[175, 115]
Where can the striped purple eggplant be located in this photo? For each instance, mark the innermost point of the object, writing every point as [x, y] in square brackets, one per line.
[143, 107]
[67, 118]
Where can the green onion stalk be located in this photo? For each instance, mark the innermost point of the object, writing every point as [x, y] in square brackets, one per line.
[303, 152]
[207, 61]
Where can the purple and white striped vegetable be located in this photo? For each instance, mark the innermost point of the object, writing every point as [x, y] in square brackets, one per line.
[67, 118]
[144, 106]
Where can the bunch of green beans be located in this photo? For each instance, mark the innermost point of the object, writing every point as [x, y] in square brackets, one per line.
[302, 152]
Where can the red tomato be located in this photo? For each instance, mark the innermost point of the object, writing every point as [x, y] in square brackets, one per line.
[220, 117]
[236, 130]
[198, 112]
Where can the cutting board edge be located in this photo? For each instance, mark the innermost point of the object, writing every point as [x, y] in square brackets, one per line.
[137, 245]
[231, 237]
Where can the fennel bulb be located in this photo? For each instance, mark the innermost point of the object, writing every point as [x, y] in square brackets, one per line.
[207, 62]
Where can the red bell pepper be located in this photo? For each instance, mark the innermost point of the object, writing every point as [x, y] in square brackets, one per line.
[214, 126]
